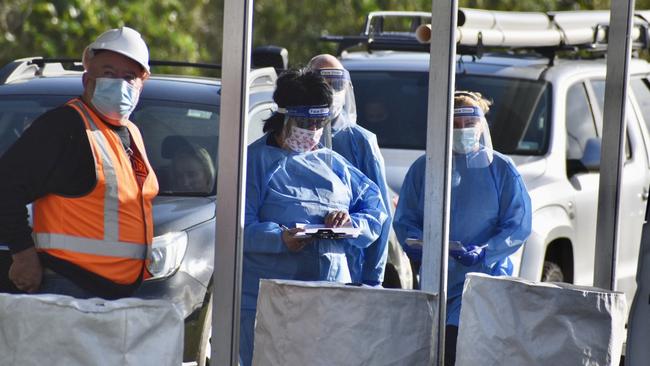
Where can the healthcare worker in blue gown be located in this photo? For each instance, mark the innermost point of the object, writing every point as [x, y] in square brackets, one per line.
[359, 146]
[490, 211]
[292, 180]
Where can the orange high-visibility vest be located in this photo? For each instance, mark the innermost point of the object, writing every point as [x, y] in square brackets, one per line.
[109, 230]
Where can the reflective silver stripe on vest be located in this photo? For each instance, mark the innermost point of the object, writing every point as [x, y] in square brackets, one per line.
[90, 246]
[111, 200]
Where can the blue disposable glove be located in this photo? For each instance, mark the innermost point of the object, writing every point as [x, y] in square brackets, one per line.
[469, 256]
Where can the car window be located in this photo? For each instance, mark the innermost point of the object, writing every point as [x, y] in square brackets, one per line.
[168, 129]
[18, 112]
[519, 115]
[598, 86]
[181, 141]
[579, 121]
[393, 105]
[642, 93]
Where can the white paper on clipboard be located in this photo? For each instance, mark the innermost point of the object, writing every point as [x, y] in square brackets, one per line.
[319, 230]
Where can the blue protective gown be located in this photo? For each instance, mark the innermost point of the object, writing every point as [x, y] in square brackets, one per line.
[489, 205]
[359, 146]
[286, 188]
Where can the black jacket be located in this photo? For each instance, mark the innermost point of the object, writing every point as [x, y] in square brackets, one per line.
[53, 156]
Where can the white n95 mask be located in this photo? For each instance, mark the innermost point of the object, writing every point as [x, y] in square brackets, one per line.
[115, 99]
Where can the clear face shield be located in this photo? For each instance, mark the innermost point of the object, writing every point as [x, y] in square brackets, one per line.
[344, 108]
[472, 145]
[304, 126]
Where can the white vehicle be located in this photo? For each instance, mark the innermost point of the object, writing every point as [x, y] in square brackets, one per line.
[547, 116]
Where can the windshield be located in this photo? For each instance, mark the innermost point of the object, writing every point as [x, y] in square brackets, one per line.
[18, 112]
[393, 105]
[180, 137]
[181, 141]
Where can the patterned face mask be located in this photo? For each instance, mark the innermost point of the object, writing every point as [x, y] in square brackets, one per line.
[302, 140]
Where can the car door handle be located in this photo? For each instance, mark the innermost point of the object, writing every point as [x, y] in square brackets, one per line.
[645, 194]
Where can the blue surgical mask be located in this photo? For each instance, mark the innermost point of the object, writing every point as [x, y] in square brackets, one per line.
[465, 140]
[115, 99]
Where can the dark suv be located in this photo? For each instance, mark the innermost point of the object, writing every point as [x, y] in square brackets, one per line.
[173, 112]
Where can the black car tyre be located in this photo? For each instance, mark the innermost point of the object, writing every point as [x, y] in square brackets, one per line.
[552, 272]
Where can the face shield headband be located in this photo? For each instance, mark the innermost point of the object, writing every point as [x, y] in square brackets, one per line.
[468, 116]
[307, 116]
[469, 111]
[344, 109]
[338, 79]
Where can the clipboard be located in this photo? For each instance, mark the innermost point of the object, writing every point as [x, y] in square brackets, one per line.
[321, 232]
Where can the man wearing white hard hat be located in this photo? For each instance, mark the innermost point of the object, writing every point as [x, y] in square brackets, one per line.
[84, 167]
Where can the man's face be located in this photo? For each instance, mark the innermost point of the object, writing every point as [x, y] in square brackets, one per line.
[108, 64]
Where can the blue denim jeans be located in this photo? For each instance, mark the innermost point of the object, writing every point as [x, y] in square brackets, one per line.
[54, 283]
[246, 333]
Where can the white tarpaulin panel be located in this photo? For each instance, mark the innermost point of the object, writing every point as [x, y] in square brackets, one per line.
[324, 323]
[510, 321]
[61, 330]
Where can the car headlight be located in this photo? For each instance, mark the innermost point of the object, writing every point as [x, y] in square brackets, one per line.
[166, 254]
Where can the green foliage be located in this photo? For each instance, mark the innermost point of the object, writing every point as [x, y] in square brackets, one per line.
[297, 25]
[63, 28]
[191, 30]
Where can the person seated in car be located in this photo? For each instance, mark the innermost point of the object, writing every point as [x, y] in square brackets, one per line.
[292, 180]
[193, 170]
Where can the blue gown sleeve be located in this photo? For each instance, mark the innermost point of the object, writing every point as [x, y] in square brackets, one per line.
[259, 237]
[409, 217]
[367, 209]
[515, 219]
[376, 255]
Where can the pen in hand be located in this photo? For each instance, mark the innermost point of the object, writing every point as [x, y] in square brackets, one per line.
[283, 227]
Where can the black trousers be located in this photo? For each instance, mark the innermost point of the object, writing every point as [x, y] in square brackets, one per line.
[451, 334]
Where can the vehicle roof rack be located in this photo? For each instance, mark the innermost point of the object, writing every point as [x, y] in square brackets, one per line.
[30, 67]
[478, 30]
[38, 66]
[376, 37]
[27, 67]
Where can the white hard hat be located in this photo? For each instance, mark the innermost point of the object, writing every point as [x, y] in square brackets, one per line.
[124, 40]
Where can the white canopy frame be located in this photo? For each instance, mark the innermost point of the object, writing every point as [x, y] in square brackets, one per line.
[230, 194]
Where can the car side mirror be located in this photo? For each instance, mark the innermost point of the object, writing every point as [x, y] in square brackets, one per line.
[591, 156]
[270, 56]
